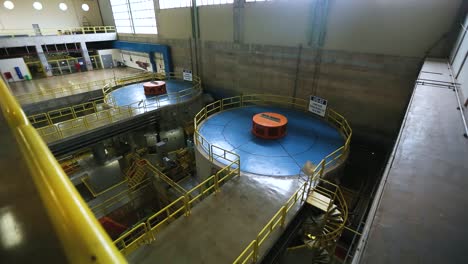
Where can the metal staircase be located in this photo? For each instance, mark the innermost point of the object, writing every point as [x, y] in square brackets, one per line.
[136, 173]
[325, 221]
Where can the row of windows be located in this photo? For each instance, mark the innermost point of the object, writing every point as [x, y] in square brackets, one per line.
[134, 16]
[38, 6]
[166, 4]
[138, 17]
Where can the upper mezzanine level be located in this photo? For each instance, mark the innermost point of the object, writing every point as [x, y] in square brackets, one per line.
[10, 38]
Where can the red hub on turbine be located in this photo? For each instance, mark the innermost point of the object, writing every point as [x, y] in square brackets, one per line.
[269, 125]
[155, 88]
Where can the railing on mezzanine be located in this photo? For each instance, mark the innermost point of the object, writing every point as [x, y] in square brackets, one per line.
[22, 32]
[61, 123]
[78, 88]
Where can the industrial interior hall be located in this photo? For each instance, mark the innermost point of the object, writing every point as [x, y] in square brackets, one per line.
[233, 131]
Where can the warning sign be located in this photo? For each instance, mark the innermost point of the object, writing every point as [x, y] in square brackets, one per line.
[318, 105]
[187, 74]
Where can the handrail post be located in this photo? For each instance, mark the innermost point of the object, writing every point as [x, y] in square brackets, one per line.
[283, 214]
[187, 204]
[255, 251]
[210, 154]
[322, 169]
[216, 182]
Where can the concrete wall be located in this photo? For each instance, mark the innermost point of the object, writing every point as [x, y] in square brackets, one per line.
[216, 22]
[278, 23]
[370, 90]
[24, 15]
[130, 59]
[367, 66]
[397, 27]
[116, 55]
[106, 12]
[459, 62]
[8, 65]
[174, 23]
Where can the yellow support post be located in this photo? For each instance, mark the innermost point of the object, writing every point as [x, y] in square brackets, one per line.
[283, 215]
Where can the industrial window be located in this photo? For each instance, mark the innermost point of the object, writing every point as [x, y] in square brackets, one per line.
[134, 16]
[166, 4]
[213, 2]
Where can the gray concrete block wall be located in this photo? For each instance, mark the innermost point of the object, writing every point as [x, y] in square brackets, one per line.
[370, 90]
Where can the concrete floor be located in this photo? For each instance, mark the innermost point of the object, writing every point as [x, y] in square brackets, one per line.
[308, 139]
[222, 225]
[44, 84]
[421, 215]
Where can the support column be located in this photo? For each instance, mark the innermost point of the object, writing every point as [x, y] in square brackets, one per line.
[238, 21]
[43, 60]
[196, 39]
[99, 153]
[87, 59]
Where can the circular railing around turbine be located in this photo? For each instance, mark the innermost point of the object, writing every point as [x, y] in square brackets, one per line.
[314, 182]
[61, 123]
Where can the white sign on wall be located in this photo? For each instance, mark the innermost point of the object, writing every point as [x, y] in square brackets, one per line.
[187, 74]
[318, 105]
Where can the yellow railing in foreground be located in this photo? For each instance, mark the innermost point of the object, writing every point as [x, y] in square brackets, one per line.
[82, 237]
[251, 253]
[135, 237]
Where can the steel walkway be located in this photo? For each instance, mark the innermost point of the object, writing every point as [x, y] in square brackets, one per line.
[419, 214]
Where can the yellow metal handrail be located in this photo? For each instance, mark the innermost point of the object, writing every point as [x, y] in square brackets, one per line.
[57, 31]
[82, 237]
[61, 123]
[80, 88]
[184, 203]
[251, 252]
[132, 239]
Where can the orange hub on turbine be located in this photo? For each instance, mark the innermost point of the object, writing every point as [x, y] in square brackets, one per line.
[269, 125]
[155, 88]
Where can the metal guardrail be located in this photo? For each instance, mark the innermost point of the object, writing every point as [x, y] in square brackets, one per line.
[57, 31]
[251, 252]
[263, 99]
[82, 237]
[61, 123]
[79, 88]
[135, 237]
